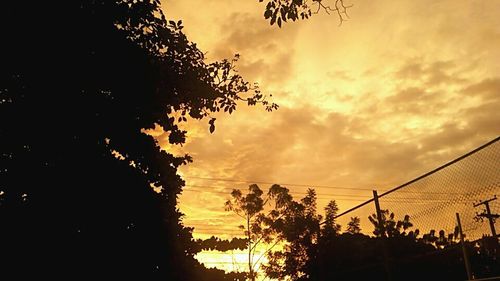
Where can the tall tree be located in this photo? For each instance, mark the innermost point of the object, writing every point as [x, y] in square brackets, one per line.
[248, 207]
[330, 226]
[298, 229]
[264, 226]
[84, 191]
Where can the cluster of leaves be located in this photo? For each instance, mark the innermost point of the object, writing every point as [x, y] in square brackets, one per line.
[279, 11]
[392, 228]
[440, 241]
[353, 226]
[389, 226]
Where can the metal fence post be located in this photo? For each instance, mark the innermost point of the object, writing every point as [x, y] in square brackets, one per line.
[382, 236]
[464, 250]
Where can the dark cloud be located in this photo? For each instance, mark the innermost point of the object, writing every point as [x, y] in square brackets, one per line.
[484, 119]
[297, 145]
[431, 74]
[266, 52]
[430, 90]
[443, 72]
[410, 71]
[410, 94]
[488, 89]
[415, 101]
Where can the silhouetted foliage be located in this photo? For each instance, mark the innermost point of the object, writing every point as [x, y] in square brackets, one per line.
[389, 226]
[330, 226]
[215, 243]
[359, 257]
[277, 218]
[84, 192]
[298, 231]
[353, 226]
[250, 208]
[280, 11]
[313, 249]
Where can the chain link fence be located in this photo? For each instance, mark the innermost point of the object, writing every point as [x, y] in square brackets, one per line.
[426, 208]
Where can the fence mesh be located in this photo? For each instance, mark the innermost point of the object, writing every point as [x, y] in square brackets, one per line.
[432, 200]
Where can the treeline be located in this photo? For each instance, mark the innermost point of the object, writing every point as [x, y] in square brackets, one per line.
[314, 247]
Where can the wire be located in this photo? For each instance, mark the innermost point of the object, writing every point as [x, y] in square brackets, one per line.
[303, 185]
[335, 196]
[283, 184]
[220, 188]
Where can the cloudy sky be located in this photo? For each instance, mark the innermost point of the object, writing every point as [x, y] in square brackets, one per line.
[399, 89]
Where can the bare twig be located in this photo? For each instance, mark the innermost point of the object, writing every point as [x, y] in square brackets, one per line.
[339, 7]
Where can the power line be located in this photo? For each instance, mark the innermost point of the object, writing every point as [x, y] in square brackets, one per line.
[353, 197]
[283, 184]
[292, 192]
[318, 197]
[220, 189]
[306, 185]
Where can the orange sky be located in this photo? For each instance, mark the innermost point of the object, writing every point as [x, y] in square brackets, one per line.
[399, 89]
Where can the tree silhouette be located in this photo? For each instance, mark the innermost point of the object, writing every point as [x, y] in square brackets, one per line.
[353, 226]
[389, 226]
[298, 229]
[301, 229]
[249, 207]
[84, 191]
[330, 226]
[284, 221]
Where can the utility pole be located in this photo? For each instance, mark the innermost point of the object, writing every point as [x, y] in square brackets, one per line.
[491, 217]
[379, 214]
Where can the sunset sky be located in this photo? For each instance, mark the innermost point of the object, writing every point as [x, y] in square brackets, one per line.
[399, 89]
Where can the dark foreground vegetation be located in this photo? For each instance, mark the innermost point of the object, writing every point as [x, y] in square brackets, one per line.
[314, 247]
